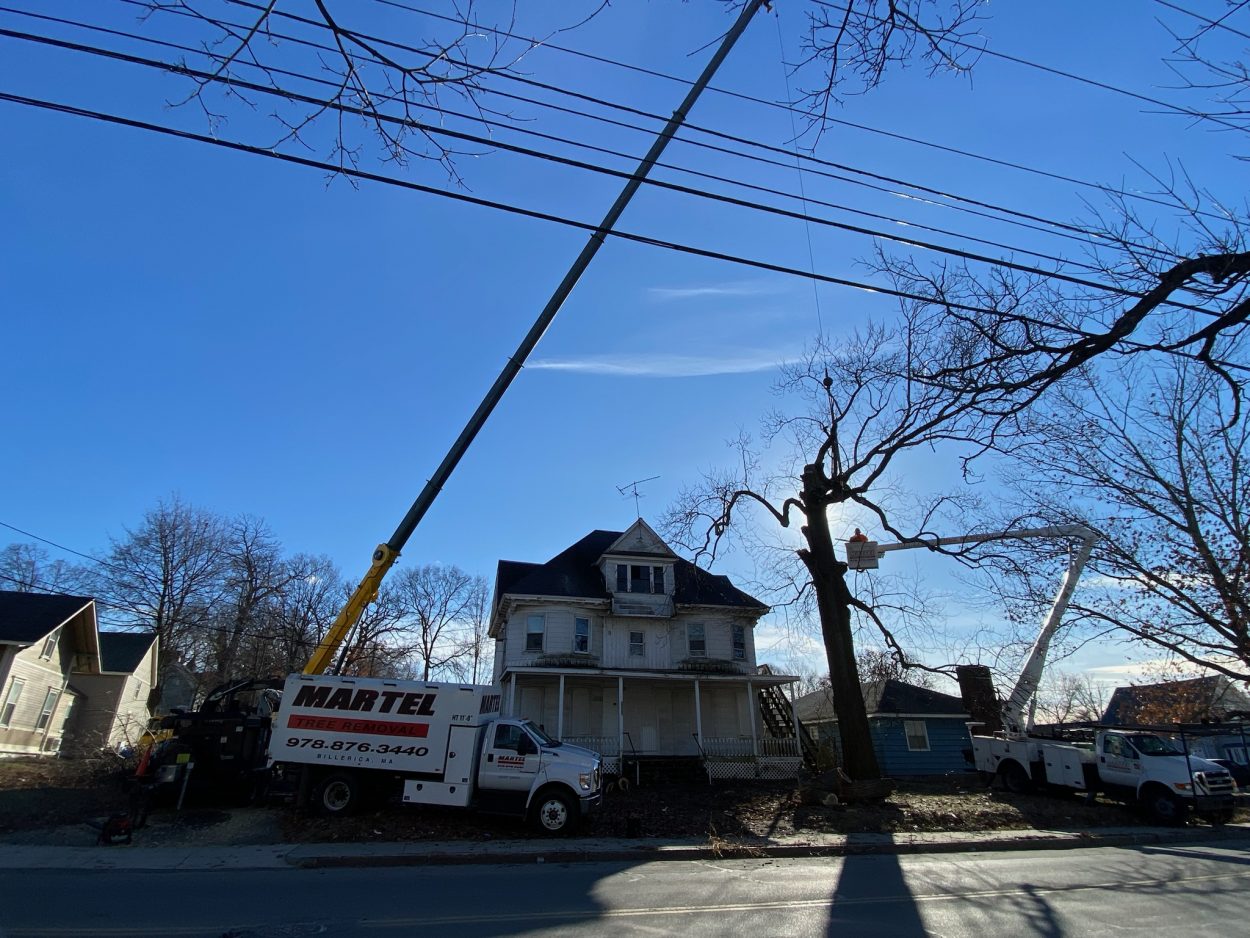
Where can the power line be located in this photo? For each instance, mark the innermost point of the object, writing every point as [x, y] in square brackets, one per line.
[273, 70]
[579, 164]
[600, 101]
[355, 173]
[841, 122]
[1093, 82]
[68, 550]
[517, 210]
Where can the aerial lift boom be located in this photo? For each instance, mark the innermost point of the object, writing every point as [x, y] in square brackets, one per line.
[861, 555]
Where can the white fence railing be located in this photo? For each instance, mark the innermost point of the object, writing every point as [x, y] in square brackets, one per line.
[604, 745]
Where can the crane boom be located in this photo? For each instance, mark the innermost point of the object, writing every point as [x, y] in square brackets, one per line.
[386, 554]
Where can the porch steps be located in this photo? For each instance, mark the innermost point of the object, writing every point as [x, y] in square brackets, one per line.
[778, 715]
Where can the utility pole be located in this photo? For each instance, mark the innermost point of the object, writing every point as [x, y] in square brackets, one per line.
[386, 554]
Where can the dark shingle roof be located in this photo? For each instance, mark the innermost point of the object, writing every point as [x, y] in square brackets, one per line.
[121, 652]
[1217, 695]
[882, 698]
[573, 573]
[27, 617]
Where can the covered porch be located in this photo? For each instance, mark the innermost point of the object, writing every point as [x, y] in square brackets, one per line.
[735, 725]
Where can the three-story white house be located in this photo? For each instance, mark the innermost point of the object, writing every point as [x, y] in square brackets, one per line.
[618, 644]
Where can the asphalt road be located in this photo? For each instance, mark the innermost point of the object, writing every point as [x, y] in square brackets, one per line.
[1161, 890]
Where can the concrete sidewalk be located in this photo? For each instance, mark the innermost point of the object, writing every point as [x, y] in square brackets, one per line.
[313, 856]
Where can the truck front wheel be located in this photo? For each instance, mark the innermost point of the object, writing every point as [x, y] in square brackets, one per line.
[338, 794]
[554, 812]
[1163, 806]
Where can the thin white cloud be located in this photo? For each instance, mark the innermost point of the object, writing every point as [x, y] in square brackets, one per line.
[663, 366]
[730, 289]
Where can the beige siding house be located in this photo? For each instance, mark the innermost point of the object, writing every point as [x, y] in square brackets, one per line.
[45, 641]
[116, 704]
[65, 686]
[618, 644]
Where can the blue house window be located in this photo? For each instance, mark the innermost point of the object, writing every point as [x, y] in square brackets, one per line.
[917, 735]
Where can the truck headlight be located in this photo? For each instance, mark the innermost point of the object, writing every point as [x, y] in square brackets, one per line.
[584, 780]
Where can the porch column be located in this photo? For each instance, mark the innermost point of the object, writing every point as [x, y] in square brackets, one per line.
[560, 711]
[512, 697]
[620, 718]
[698, 714]
[751, 708]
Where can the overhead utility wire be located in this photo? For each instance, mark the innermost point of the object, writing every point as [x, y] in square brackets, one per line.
[603, 102]
[273, 70]
[73, 111]
[1093, 82]
[354, 173]
[569, 161]
[841, 122]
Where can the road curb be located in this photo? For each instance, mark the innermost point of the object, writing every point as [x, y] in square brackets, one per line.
[742, 851]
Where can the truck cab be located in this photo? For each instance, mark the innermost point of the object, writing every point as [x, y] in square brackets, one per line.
[1157, 773]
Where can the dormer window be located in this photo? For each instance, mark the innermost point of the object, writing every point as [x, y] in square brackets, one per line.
[639, 578]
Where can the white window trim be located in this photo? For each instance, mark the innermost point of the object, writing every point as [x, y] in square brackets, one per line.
[17, 684]
[48, 710]
[689, 648]
[49, 645]
[733, 642]
[576, 650]
[642, 645]
[528, 632]
[907, 734]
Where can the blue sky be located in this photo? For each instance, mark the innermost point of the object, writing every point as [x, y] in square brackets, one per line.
[259, 339]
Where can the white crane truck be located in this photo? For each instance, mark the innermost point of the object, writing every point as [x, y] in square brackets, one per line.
[436, 744]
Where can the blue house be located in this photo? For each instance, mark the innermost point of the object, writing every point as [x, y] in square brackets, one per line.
[915, 731]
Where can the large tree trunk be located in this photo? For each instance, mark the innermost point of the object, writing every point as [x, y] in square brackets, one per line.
[833, 602]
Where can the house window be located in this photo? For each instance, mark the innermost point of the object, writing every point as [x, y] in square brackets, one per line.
[49, 704]
[657, 579]
[49, 645]
[10, 701]
[534, 628]
[740, 643]
[917, 735]
[622, 578]
[696, 641]
[637, 643]
[639, 579]
[581, 634]
[138, 689]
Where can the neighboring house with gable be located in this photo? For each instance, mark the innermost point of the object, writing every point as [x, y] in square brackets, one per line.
[45, 640]
[1188, 701]
[618, 644]
[915, 731]
[117, 704]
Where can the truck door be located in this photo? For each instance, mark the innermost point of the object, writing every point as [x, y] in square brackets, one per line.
[1118, 762]
[507, 769]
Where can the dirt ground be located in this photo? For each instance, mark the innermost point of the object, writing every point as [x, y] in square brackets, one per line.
[57, 801]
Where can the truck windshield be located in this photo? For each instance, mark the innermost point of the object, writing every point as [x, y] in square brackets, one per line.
[537, 732]
[1154, 746]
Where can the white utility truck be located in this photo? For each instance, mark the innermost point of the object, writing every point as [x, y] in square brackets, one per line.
[1132, 765]
[437, 744]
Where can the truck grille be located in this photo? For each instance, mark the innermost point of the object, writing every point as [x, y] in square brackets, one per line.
[1215, 783]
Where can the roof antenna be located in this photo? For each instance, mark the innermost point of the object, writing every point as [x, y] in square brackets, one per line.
[631, 488]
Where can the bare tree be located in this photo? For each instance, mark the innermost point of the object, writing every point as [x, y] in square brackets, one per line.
[473, 662]
[1064, 697]
[301, 613]
[256, 576]
[168, 575]
[437, 601]
[860, 407]
[1154, 459]
[28, 568]
[883, 664]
